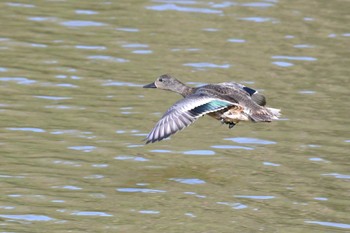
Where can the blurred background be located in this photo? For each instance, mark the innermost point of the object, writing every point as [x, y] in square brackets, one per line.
[74, 113]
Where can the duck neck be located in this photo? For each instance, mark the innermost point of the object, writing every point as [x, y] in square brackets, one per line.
[186, 91]
[183, 89]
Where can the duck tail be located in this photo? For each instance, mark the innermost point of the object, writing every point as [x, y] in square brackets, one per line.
[275, 112]
[266, 115]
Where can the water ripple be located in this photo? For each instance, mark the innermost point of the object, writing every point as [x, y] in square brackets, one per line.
[174, 7]
[142, 51]
[69, 187]
[134, 158]
[52, 97]
[251, 141]
[70, 163]
[83, 148]
[108, 58]
[315, 159]
[91, 47]
[15, 4]
[257, 4]
[294, 58]
[232, 147]
[38, 45]
[91, 213]
[188, 180]
[271, 164]
[10, 176]
[35, 130]
[233, 205]
[195, 194]
[66, 85]
[149, 212]
[7, 207]
[135, 45]
[95, 176]
[223, 4]
[161, 151]
[210, 29]
[282, 64]
[337, 175]
[255, 197]
[330, 224]
[120, 84]
[302, 46]
[18, 80]
[190, 215]
[207, 65]
[189, 2]
[82, 23]
[199, 152]
[139, 190]
[128, 29]
[100, 165]
[86, 12]
[41, 19]
[308, 92]
[321, 198]
[27, 217]
[257, 19]
[235, 40]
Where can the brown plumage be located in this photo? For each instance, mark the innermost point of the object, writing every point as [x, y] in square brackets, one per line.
[228, 102]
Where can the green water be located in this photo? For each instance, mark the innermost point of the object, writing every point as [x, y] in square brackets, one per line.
[74, 113]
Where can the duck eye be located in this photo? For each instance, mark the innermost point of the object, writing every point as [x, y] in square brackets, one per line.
[160, 80]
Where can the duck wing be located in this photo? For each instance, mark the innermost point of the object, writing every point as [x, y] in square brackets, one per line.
[183, 113]
[254, 94]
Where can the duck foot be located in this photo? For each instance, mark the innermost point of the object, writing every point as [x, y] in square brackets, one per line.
[230, 125]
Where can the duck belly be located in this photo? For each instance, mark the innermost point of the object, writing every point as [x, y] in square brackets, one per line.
[232, 115]
[235, 116]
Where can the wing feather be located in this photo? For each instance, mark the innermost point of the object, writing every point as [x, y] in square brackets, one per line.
[183, 113]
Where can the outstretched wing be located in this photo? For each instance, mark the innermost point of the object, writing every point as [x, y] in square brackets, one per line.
[183, 113]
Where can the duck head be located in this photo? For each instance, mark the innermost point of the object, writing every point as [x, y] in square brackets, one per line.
[167, 82]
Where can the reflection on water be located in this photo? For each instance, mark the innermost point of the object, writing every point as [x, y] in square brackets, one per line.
[91, 213]
[295, 58]
[18, 80]
[139, 190]
[236, 206]
[135, 158]
[330, 224]
[149, 212]
[35, 130]
[199, 152]
[250, 141]
[27, 217]
[82, 23]
[188, 180]
[108, 58]
[74, 115]
[207, 65]
[174, 7]
[255, 197]
[271, 164]
[257, 19]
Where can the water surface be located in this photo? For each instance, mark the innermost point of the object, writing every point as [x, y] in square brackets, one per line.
[74, 113]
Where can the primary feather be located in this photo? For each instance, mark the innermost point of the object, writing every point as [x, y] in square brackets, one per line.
[183, 113]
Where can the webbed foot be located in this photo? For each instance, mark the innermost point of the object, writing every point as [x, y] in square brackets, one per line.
[230, 125]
